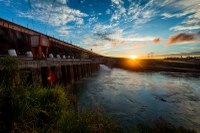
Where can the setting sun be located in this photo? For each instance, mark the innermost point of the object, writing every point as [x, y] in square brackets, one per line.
[133, 56]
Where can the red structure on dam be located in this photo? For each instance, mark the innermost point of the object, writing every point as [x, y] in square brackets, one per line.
[49, 60]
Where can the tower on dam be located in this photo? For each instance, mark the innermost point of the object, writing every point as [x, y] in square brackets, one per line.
[49, 60]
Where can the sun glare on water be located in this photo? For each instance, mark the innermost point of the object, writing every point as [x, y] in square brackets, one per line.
[133, 57]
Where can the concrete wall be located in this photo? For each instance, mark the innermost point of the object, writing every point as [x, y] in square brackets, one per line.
[62, 75]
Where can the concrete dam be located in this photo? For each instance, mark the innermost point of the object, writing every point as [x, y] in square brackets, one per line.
[49, 60]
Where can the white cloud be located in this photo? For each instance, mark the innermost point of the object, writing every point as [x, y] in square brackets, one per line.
[192, 21]
[5, 2]
[145, 17]
[107, 41]
[103, 42]
[178, 15]
[100, 45]
[185, 3]
[167, 15]
[79, 21]
[64, 30]
[62, 1]
[185, 27]
[117, 2]
[120, 27]
[108, 11]
[139, 14]
[102, 27]
[191, 12]
[119, 9]
[92, 20]
[55, 15]
[137, 38]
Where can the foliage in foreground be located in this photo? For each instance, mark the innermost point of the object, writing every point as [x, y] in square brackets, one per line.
[25, 108]
[31, 109]
[47, 110]
[39, 109]
[87, 121]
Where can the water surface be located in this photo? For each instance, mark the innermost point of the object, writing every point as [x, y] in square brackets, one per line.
[141, 97]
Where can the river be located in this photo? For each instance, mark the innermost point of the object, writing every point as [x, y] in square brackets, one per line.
[142, 97]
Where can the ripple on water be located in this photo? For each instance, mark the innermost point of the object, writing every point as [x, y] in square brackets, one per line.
[134, 97]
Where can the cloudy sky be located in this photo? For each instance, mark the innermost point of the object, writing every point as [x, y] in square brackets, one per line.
[114, 27]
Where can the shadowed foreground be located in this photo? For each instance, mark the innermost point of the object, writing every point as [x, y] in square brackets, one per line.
[29, 108]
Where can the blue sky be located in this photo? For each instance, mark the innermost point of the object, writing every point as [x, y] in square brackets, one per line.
[114, 27]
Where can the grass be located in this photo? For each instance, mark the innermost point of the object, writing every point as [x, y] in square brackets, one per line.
[87, 121]
[37, 109]
[29, 108]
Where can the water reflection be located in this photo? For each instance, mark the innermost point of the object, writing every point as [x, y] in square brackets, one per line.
[134, 97]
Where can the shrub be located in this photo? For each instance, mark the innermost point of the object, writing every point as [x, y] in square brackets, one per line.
[87, 121]
[42, 108]
[29, 108]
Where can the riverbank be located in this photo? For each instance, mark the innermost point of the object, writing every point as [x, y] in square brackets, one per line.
[31, 108]
[37, 109]
[158, 65]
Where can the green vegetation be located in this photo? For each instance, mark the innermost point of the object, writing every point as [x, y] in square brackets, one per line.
[87, 121]
[36, 109]
[29, 108]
